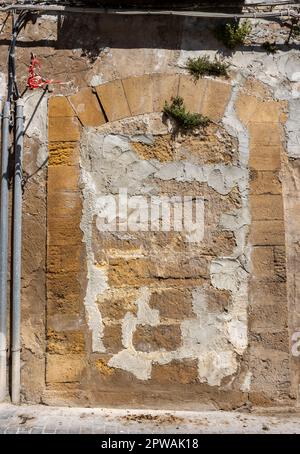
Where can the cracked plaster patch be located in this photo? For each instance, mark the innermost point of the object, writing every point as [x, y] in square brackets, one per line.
[108, 162]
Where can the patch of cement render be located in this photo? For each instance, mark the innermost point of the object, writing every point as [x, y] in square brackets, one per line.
[36, 123]
[205, 338]
[108, 162]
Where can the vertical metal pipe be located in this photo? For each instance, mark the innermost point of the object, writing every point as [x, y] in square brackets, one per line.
[4, 250]
[16, 258]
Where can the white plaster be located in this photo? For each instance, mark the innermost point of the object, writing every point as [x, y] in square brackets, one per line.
[97, 284]
[128, 326]
[146, 315]
[171, 171]
[246, 385]
[36, 127]
[213, 366]
[35, 112]
[97, 79]
[108, 164]
[130, 361]
[226, 274]
[237, 335]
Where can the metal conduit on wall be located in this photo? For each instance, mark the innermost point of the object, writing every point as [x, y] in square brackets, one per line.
[4, 250]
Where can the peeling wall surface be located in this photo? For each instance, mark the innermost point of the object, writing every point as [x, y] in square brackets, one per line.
[204, 314]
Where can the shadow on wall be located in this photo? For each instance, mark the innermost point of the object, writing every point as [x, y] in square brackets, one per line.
[94, 33]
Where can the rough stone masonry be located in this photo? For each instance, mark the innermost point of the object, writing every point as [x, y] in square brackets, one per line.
[145, 318]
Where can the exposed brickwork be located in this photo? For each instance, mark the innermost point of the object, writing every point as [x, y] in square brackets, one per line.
[185, 372]
[173, 304]
[148, 338]
[112, 338]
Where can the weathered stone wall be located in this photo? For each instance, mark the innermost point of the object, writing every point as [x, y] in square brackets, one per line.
[147, 318]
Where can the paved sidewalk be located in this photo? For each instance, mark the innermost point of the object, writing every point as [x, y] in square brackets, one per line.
[37, 419]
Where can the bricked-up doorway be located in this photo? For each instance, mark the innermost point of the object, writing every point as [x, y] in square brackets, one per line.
[147, 319]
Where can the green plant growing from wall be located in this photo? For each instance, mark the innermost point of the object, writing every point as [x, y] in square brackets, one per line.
[233, 34]
[184, 119]
[270, 48]
[201, 66]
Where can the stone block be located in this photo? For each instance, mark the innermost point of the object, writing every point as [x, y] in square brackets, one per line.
[251, 109]
[112, 338]
[59, 106]
[172, 303]
[266, 207]
[62, 284]
[180, 267]
[265, 182]
[269, 294]
[65, 342]
[216, 98]
[113, 100]
[62, 178]
[63, 153]
[165, 86]
[280, 262]
[88, 108]
[193, 92]
[124, 272]
[64, 368]
[64, 260]
[70, 305]
[63, 231]
[183, 372]
[63, 129]
[277, 340]
[265, 317]
[265, 157]
[139, 94]
[138, 272]
[63, 293]
[264, 134]
[263, 262]
[103, 368]
[267, 233]
[64, 204]
[270, 371]
[153, 338]
[115, 307]
[161, 149]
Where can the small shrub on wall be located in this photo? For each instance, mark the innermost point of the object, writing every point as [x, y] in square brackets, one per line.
[201, 66]
[233, 34]
[184, 119]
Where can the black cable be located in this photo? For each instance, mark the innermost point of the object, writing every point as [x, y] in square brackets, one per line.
[18, 24]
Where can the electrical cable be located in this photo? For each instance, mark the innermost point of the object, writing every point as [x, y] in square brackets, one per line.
[18, 24]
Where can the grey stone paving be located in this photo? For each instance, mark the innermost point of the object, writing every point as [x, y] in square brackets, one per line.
[39, 419]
